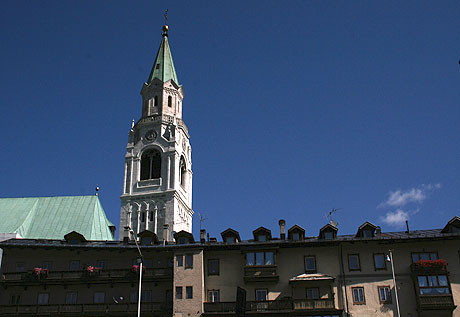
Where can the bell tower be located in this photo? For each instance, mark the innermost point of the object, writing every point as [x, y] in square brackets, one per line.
[157, 187]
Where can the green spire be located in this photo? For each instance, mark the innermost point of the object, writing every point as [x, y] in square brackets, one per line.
[163, 68]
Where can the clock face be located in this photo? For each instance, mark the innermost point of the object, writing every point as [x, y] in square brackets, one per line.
[150, 135]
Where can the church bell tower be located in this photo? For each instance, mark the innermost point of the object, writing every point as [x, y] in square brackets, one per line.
[157, 187]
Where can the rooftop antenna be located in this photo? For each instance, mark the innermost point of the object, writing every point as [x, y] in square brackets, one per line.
[132, 124]
[330, 214]
[97, 190]
[166, 17]
[202, 219]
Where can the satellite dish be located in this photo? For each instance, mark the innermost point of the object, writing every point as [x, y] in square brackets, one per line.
[332, 222]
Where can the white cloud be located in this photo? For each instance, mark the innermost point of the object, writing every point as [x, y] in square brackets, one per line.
[396, 218]
[401, 198]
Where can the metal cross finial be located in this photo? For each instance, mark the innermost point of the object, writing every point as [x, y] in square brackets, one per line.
[166, 17]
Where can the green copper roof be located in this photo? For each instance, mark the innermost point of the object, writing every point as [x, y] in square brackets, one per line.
[54, 217]
[163, 68]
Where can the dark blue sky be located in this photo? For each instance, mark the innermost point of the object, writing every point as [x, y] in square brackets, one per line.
[294, 108]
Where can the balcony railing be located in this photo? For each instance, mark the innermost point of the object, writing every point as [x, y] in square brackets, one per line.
[267, 273]
[81, 275]
[272, 306]
[436, 302]
[84, 308]
[429, 267]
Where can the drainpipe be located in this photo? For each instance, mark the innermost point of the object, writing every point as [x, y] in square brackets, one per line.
[344, 283]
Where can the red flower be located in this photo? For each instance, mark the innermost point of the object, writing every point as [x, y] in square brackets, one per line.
[438, 264]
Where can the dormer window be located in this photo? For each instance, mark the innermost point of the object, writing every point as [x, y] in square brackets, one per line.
[183, 237]
[296, 233]
[230, 239]
[262, 238]
[183, 240]
[367, 233]
[296, 236]
[366, 230]
[230, 236]
[262, 234]
[453, 226]
[328, 235]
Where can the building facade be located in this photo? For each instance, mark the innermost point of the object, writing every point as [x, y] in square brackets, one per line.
[157, 187]
[290, 275]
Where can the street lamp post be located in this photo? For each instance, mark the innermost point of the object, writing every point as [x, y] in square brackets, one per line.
[140, 261]
[390, 259]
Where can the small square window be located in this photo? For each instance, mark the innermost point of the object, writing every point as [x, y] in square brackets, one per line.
[384, 294]
[262, 238]
[189, 292]
[213, 267]
[261, 295]
[367, 233]
[99, 297]
[296, 236]
[43, 298]
[189, 261]
[71, 298]
[213, 296]
[328, 235]
[358, 295]
[353, 262]
[180, 260]
[379, 261]
[313, 293]
[133, 296]
[146, 296]
[178, 292]
[230, 239]
[310, 263]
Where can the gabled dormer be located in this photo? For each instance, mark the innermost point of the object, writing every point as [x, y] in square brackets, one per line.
[453, 226]
[230, 236]
[184, 237]
[75, 238]
[366, 230]
[148, 237]
[296, 233]
[262, 234]
[328, 232]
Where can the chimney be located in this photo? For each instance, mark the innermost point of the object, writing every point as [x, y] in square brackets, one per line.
[282, 224]
[165, 233]
[407, 226]
[203, 235]
[378, 231]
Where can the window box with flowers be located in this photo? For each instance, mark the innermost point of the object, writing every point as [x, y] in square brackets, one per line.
[426, 266]
[38, 273]
[92, 271]
[135, 270]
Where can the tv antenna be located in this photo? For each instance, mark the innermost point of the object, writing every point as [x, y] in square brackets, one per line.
[330, 214]
[202, 219]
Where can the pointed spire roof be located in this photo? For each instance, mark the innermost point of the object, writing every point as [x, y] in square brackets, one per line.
[163, 68]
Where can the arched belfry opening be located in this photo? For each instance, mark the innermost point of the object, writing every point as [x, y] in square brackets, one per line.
[183, 171]
[151, 164]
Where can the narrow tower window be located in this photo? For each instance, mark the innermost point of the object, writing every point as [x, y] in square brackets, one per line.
[156, 101]
[183, 171]
[169, 101]
[151, 165]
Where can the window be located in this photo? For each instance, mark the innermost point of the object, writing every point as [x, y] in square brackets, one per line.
[151, 165]
[148, 263]
[20, 267]
[183, 171]
[43, 298]
[169, 101]
[189, 292]
[313, 293]
[71, 298]
[99, 297]
[74, 265]
[180, 260]
[213, 267]
[143, 216]
[156, 102]
[178, 292]
[353, 262]
[295, 236]
[310, 263]
[367, 233]
[189, 261]
[424, 256]
[133, 297]
[433, 285]
[328, 235]
[230, 239]
[146, 296]
[47, 265]
[358, 295]
[260, 258]
[213, 296]
[261, 295]
[262, 238]
[384, 294]
[15, 299]
[379, 261]
[101, 263]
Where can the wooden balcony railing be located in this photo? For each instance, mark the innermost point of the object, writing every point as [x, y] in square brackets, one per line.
[81, 275]
[272, 306]
[436, 302]
[84, 308]
[267, 273]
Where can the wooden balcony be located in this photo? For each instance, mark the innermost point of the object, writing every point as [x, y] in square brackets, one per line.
[275, 306]
[57, 277]
[266, 273]
[85, 309]
[436, 302]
